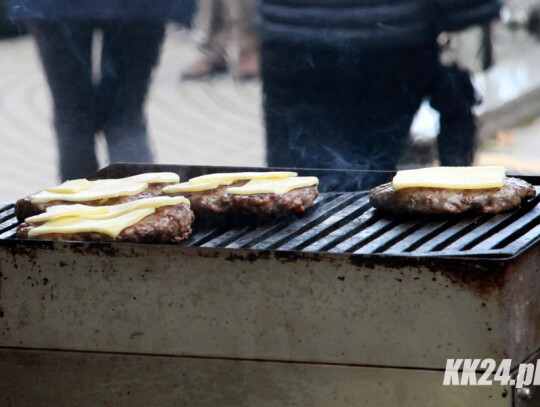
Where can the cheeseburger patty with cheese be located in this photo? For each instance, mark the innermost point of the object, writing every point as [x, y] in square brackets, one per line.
[147, 220]
[95, 193]
[451, 190]
[258, 194]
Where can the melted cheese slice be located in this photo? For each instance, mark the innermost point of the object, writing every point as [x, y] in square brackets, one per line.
[187, 187]
[153, 178]
[111, 222]
[156, 202]
[110, 227]
[238, 176]
[62, 211]
[273, 185]
[71, 187]
[105, 212]
[83, 190]
[451, 178]
[97, 190]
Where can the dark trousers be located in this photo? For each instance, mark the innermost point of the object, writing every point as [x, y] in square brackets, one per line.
[352, 108]
[111, 101]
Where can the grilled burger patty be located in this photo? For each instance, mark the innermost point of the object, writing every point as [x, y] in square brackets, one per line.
[295, 201]
[166, 224]
[212, 202]
[219, 202]
[25, 208]
[452, 201]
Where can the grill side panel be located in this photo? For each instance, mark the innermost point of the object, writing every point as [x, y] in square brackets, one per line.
[67, 379]
[261, 305]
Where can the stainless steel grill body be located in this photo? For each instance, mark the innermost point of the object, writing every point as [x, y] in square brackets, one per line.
[300, 309]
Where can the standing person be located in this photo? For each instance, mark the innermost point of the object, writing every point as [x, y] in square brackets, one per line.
[227, 38]
[86, 102]
[343, 79]
[7, 28]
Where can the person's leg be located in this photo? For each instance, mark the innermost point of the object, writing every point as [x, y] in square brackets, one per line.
[130, 52]
[213, 31]
[244, 39]
[65, 50]
[453, 96]
[211, 36]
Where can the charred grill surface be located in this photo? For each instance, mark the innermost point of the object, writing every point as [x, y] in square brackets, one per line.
[24, 208]
[167, 224]
[419, 201]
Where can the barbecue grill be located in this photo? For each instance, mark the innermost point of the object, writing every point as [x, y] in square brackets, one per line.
[340, 306]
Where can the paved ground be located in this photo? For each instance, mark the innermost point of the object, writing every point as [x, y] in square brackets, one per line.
[217, 122]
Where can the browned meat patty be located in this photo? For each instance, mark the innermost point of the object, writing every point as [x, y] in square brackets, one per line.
[24, 208]
[212, 202]
[452, 201]
[166, 224]
[218, 203]
[295, 201]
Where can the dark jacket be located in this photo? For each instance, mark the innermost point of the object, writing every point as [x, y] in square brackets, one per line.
[376, 23]
[147, 10]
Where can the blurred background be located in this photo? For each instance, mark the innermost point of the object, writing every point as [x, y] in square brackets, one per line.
[217, 119]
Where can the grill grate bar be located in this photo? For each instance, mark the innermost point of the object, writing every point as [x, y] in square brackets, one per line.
[263, 232]
[5, 206]
[509, 229]
[518, 234]
[10, 234]
[259, 234]
[366, 232]
[447, 236]
[525, 240]
[8, 221]
[342, 234]
[498, 223]
[482, 232]
[330, 224]
[303, 224]
[415, 239]
[6, 214]
[200, 238]
[228, 237]
[389, 239]
[7, 228]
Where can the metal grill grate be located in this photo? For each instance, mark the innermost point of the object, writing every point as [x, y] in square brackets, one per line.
[346, 223]
[8, 221]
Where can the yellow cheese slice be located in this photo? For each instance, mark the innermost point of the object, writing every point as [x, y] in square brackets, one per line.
[62, 211]
[153, 178]
[155, 202]
[77, 185]
[105, 212]
[110, 227]
[96, 191]
[238, 176]
[187, 187]
[71, 187]
[273, 185]
[451, 177]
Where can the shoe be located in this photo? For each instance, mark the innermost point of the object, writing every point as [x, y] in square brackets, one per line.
[248, 65]
[204, 68]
